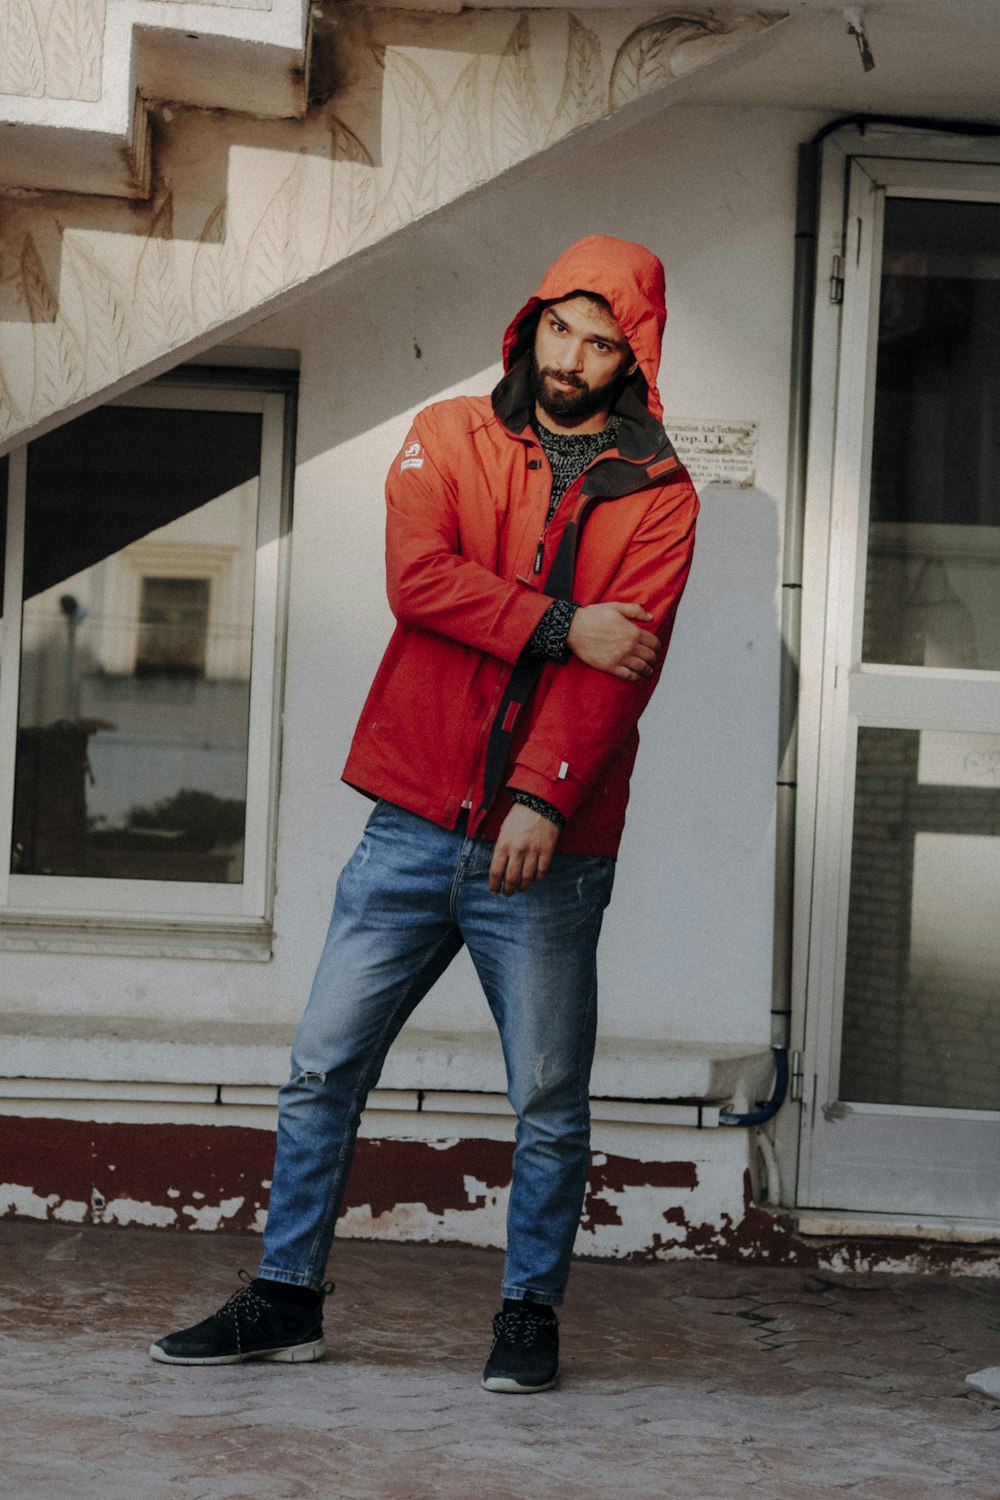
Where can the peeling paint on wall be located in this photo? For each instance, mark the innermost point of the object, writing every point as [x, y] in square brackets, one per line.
[18, 1201]
[763, 1237]
[126, 1211]
[389, 1173]
[217, 1178]
[183, 1177]
[613, 1179]
[213, 1216]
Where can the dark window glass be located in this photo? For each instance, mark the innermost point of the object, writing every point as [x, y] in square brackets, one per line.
[140, 544]
[932, 596]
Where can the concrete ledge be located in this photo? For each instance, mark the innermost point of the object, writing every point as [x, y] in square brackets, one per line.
[107, 1050]
[257, 1104]
[818, 1225]
[129, 937]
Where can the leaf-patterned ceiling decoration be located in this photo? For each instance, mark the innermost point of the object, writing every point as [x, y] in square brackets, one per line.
[418, 109]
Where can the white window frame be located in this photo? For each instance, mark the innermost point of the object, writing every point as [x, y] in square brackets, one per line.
[84, 914]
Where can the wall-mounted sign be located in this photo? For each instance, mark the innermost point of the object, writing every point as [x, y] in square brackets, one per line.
[716, 452]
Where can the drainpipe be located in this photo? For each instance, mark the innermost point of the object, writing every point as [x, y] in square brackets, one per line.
[804, 285]
[804, 292]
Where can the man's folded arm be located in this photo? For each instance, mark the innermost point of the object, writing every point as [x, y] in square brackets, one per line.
[588, 714]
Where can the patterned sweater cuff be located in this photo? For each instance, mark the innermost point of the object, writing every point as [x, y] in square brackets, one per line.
[549, 637]
[539, 805]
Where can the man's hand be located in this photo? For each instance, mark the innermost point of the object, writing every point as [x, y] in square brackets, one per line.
[523, 849]
[610, 638]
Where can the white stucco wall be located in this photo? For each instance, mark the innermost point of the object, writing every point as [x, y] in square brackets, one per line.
[687, 949]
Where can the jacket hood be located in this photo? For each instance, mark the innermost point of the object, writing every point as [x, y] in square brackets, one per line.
[629, 278]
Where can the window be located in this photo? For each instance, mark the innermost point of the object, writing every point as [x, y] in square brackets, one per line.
[138, 668]
[173, 622]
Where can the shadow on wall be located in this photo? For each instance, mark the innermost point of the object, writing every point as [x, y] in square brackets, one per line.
[697, 866]
[417, 315]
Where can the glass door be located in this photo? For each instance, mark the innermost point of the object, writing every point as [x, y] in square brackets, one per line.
[903, 1003]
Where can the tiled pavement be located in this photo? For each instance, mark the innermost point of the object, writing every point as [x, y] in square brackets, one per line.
[687, 1381]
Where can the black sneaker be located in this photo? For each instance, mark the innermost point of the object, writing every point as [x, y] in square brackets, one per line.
[525, 1353]
[246, 1327]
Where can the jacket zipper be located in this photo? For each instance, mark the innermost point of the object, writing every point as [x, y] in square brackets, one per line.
[484, 729]
[587, 504]
[540, 547]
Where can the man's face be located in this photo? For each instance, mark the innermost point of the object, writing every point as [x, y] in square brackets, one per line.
[580, 357]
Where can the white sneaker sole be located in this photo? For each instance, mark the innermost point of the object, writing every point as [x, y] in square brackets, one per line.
[506, 1385]
[295, 1354]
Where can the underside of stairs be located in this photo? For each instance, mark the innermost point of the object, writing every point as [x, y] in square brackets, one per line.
[77, 78]
[170, 171]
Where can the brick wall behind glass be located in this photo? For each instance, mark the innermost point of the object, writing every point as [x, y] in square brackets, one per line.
[935, 1043]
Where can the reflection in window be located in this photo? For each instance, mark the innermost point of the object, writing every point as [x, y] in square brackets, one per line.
[173, 623]
[933, 578]
[140, 543]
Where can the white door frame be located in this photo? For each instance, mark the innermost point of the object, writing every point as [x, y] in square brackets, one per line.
[837, 694]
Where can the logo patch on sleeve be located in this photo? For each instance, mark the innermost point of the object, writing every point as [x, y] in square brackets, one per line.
[411, 457]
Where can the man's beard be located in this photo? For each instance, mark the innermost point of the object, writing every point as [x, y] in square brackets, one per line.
[576, 405]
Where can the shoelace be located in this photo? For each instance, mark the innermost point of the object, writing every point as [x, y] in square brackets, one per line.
[247, 1306]
[518, 1328]
[252, 1307]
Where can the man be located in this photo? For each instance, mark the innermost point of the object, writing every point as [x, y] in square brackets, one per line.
[538, 542]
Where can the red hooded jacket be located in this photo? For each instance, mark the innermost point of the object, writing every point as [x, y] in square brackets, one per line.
[454, 718]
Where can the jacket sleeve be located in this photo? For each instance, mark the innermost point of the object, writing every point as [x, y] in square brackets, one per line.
[429, 583]
[587, 714]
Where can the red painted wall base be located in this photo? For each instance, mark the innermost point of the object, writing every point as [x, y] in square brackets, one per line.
[178, 1176]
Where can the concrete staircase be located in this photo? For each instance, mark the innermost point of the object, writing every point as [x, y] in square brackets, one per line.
[76, 78]
[170, 171]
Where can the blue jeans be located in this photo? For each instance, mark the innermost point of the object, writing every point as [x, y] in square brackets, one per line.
[409, 897]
